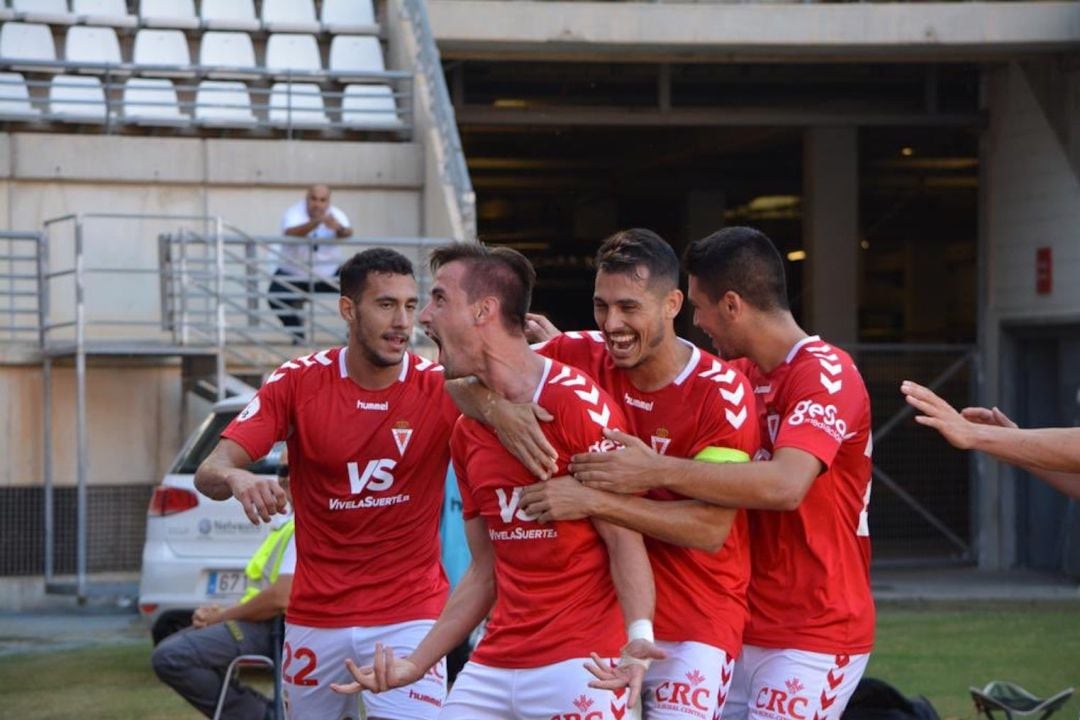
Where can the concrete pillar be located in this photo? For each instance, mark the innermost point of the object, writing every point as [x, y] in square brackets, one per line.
[830, 232]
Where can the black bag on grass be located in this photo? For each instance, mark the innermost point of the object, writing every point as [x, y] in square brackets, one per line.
[875, 699]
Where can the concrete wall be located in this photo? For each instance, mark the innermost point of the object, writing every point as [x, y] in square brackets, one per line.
[1030, 198]
[134, 411]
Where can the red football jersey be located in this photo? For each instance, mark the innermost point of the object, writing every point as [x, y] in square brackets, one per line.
[810, 588]
[700, 596]
[554, 597]
[368, 471]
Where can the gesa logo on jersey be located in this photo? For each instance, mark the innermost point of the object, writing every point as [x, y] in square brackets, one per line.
[823, 417]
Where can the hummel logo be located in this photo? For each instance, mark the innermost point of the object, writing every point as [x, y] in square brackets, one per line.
[361, 405]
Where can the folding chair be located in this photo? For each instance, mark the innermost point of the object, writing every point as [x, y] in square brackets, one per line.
[1012, 700]
[277, 636]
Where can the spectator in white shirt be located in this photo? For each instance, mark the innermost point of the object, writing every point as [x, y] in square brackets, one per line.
[308, 268]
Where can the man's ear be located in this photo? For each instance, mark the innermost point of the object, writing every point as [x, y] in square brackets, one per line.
[487, 309]
[347, 309]
[673, 303]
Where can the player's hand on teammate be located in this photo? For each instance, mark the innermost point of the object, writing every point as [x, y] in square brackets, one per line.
[386, 672]
[630, 470]
[262, 498]
[955, 427]
[561, 498]
[518, 428]
[539, 329]
[629, 673]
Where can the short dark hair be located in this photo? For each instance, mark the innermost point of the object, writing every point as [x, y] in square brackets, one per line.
[355, 271]
[742, 260]
[627, 250]
[501, 271]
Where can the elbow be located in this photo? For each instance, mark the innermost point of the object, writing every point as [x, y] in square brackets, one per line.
[204, 483]
[784, 499]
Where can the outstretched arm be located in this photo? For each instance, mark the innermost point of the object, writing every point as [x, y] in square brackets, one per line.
[466, 608]
[1052, 454]
[223, 474]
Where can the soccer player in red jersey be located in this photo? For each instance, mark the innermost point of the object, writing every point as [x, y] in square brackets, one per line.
[683, 403]
[555, 590]
[367, 427]
[811, 625]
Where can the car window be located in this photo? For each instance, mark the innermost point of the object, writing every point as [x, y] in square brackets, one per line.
[206, 436]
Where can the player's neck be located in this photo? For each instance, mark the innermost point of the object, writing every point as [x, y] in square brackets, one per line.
[776, 334]
[367, 374]
[662, 367]
[512, 370]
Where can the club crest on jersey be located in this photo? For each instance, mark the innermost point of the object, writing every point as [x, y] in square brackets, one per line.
[773, 421]
[402, 435]
[661, 440]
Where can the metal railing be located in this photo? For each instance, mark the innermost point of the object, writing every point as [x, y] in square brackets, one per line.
[210, 98]
[229, 291]
[19, 286]
[452, 167]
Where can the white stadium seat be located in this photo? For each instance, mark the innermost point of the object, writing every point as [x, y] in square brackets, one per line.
[162, 48]
[76, 98]
[104, 12]
[52, 12]
[27, 41]
[292, 52]
[289, 16]
[371, 107]
[168, 14]
[349, 17]
[92, 46]
[356, 54]
[15, 98]
[297, 104]
[229, 15]
[231, 50]
[223, 104]
[152, 102]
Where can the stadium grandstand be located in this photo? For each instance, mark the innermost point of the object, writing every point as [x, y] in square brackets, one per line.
[919, 164]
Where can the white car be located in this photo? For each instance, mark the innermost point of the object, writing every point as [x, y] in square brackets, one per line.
[196, 548]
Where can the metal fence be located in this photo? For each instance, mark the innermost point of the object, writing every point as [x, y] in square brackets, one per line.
[920, 509]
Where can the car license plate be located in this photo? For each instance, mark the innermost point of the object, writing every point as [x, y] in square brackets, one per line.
[226, 582]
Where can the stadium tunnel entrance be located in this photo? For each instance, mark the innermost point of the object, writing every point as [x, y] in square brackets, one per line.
[562, 154]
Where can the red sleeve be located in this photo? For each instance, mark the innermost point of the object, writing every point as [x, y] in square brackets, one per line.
[266, 418]
[818, 412]
[728, 418]
[458, 453]
[579, 348]
[582, 423]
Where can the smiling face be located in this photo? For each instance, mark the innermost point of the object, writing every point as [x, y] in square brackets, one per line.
[717, 320]
[449, 319]
[381, 321]
[634, 317]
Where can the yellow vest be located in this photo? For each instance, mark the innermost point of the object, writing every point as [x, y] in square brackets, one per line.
[262, 571]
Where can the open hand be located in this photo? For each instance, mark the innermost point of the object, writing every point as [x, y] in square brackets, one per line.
[386, 672]
[632, 469]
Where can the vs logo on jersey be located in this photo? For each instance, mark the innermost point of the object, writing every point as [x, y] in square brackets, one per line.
[508, 506]
[377, 476]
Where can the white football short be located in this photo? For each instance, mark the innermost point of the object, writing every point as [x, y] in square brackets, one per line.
[552, 692]
[780, 684]
[692, 682]
[315, 657]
